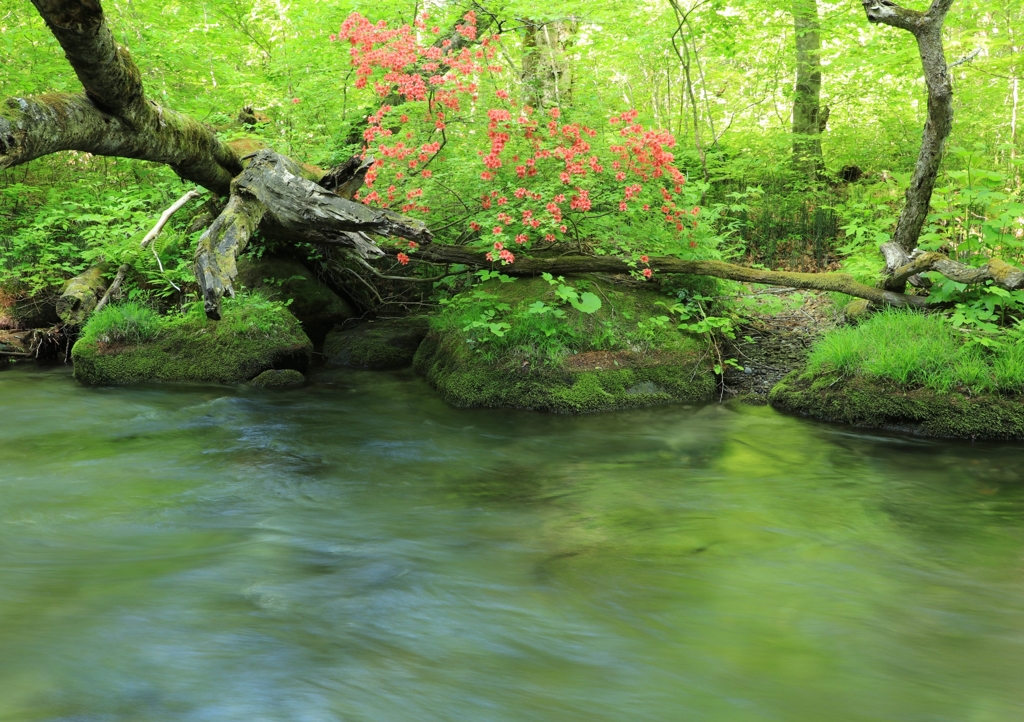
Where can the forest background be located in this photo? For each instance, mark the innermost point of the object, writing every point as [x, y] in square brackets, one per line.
[720, 76]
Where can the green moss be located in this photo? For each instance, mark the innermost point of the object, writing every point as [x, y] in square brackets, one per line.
[123, 323]
[377, 345]
[863, 401]
[613, 359]
[255, 335]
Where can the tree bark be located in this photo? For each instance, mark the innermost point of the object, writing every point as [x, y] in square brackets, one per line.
[81, 295]
[547, 73]
[807, 125]
[272, 193]
[113, 116]
[926, 28]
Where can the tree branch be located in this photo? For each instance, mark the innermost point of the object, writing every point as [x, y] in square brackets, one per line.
[112, 117]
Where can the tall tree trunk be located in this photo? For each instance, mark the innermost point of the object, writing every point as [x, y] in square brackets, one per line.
[547, 72]
[807, 94]
[926, 28]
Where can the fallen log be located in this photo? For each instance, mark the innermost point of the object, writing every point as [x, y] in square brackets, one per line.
[577, 264]
[999, 272]
[81, 295]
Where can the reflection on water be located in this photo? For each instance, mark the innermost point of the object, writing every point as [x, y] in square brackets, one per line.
[356, 550]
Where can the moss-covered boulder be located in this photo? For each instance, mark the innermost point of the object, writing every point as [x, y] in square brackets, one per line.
[377, 345]
[278, 378]
[912, 372]
[522, 345]
[123, 346]
[316, 306]
[878, 403]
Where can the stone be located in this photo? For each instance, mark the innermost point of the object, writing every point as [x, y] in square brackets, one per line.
[246, 342]
[377, 345]
[279, 378]
[642, 367]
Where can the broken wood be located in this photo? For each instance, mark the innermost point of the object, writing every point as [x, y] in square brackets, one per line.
[81, 295]
[272, 193]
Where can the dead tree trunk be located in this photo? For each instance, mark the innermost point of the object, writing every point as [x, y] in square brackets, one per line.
[926, 28]
[272, 194]
[807, 125]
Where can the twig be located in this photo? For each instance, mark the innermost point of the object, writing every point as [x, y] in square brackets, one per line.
[408, 279]
[150, 237]
[966, 59]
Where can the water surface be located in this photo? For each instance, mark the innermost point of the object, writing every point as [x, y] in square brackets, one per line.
[357, 550]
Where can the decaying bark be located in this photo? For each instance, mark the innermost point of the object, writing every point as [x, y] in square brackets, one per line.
[113, 117]
[81, 295]
[807, 121]
[1002, 274]
[271, 193]
[927, 30]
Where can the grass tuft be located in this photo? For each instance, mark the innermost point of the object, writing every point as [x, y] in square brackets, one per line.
[916, 350]
[123, 323]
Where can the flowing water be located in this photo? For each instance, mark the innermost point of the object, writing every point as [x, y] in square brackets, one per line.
[357, 550]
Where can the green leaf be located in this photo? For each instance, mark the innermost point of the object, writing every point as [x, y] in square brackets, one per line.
[587, 303]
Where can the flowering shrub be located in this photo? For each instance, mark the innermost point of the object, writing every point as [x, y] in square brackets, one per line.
[452, 143]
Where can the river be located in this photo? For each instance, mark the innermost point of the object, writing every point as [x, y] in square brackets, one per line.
[357, 550]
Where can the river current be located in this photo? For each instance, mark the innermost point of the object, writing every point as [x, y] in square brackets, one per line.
[357, 550]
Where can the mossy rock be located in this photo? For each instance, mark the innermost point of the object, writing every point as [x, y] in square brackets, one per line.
[278, 378]
[316, 306]
[597, 374]
[377, 345]
[863, 401]
[192, 348]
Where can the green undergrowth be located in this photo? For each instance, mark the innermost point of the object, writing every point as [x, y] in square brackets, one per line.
[914, 350]
[129, 343]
